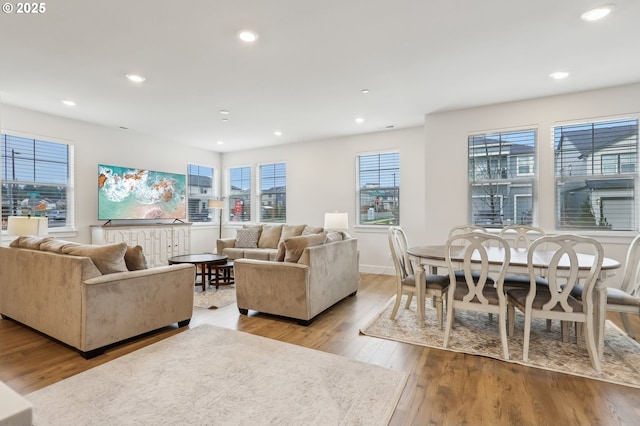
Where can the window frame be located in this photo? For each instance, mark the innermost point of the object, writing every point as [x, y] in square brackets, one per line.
[69, 201]
[230, 207]
[260, 192]
[212, 218]
[507, 181]
[397, 173]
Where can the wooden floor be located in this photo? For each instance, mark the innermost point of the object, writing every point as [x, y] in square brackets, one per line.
[444, 387]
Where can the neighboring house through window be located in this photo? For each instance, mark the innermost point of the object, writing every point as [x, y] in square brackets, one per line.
[378, 189]
[200, 192]
[273, 192]
[596, 173]
[36, 179]
[240, 194]
[502, 173]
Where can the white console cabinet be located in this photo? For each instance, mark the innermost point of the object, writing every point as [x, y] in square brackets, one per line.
[159, 241]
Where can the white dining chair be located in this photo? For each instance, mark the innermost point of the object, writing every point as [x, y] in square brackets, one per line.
[475, 290]
[520, 237]
[463, 229]
[626, 299]
[434, 286]
[555, 301]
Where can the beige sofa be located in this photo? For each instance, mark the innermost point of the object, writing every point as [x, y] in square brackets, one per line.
[314, 276]
[86, 296]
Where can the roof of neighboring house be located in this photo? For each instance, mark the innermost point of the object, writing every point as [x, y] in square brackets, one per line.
[588, 141]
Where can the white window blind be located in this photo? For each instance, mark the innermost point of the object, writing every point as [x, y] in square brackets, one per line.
[240, 194]
[596, 173]
[379, 189]
[200, 192]
[273, 193]
[36, 180]
[502, 172]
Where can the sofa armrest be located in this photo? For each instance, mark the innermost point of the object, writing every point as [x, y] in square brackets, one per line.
[279, 288]
[225, 243]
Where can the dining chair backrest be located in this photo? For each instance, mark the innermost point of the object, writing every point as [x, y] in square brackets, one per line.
[562, 254]
[631, 276]
[463, 229]
[398, 245]
[469, 253]
[521, 236]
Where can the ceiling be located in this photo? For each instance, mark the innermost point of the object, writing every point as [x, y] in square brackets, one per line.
[305, 74]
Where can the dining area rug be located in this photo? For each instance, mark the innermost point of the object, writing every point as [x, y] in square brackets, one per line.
[476, 334]
[214, 298]
[209, 375]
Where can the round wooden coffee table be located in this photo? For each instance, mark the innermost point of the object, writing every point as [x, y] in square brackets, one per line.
[206, 261]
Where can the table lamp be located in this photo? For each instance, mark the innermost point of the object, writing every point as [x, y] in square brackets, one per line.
[27, 226]
[336, 221]
[217, 204]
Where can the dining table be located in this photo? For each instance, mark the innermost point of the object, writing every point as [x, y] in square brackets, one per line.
[433, 257]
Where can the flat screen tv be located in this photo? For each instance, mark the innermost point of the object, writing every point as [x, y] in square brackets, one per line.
[126, 193]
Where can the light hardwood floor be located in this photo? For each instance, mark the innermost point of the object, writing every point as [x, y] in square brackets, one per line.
[444, 387]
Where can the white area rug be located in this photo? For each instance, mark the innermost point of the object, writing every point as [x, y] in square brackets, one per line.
[475, 334]
[214, 376]
[215, 298]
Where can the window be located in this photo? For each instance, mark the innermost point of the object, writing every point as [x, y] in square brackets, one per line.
[595, 174]
[379, 189]
[200, 182]
[273, 193]
[502, 172]
[240, 194]
[36, 180]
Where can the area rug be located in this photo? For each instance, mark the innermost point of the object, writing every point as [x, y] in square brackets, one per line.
[476, 334]
[214, 298]
[214, 376]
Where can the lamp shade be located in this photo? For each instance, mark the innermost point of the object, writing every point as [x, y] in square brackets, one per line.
[27, 225]
[336, 220]
[215, 204]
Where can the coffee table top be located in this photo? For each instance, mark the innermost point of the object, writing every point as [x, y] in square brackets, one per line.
[210, 258]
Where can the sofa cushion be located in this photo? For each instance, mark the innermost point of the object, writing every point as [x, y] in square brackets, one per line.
[312, 230]
[270, 236]
[295, 245]
[260, 254]
[282, 250]
[134, 258]
[32, 243]
[289, 231]
[248, 237]
[55, 245]
[108, 259]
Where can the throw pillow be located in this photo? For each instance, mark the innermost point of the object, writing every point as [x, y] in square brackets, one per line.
[308, 230]
[108, 259]
[270, 236]
[334, 236]
[134, 258]
[248, 237]
[295, 245]
[289, 231]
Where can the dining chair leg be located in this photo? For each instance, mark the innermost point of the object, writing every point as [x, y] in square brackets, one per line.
[579, 332]
[591, 344]
[439, 309]
[548, 325]
[450, 319]
[394, 312]
[409, 298]
[527, 333]
[511, 319]
[502, 317]
[627, 325]
[564, 326]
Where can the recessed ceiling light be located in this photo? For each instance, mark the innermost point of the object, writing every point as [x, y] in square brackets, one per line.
[359, 120]
[559, 75]
[224, 112]
[135, 78]
[598, 12]
[67, 102]
[365, 91]
[224, 120]
[220, 142]
[277, 133]
[247, 36]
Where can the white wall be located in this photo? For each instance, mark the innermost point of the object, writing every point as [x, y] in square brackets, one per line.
[95, 144]
[321, 177]
[446, 134]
